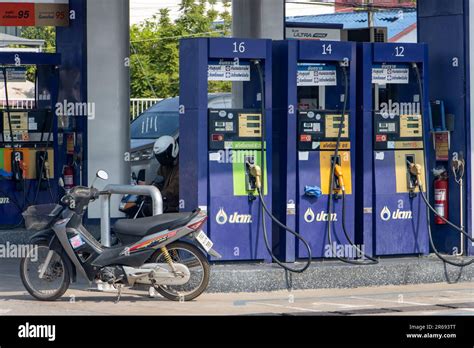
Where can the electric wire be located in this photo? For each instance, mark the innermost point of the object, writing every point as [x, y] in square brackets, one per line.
[262, 200]
[428, 205]
[332, 188]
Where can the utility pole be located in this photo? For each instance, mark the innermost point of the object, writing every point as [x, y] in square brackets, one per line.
[370, 13]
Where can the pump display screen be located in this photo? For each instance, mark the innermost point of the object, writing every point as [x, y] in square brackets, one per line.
[26, 126]
[398, 132]
[316, 128]
[228, 127]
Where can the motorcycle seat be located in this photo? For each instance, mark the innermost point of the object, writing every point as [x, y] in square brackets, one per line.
[148, 225]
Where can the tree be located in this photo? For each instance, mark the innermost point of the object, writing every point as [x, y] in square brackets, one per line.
[48, 34]
[154, 57]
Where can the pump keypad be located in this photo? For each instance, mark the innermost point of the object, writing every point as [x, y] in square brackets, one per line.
[398, 132]
[316, 127]
[27, 126]
[229, 126]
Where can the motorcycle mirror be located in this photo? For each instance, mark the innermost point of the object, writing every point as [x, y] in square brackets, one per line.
[61, 182]
[102, 174]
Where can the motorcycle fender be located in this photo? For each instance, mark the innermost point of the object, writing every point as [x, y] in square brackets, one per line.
[45, 235]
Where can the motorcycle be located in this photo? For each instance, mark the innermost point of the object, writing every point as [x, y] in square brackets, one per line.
[151, 251]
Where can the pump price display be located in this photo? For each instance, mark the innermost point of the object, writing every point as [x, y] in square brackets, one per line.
[34, 13]
[398, 132]
[316, 128]
[316, 75]
[390, 74]
[228, 70]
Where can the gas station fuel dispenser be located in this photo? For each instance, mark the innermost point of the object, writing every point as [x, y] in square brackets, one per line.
[219, 144]
[393, 97]
[314, 84]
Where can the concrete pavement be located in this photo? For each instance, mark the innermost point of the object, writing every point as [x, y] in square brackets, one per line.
[418, 299]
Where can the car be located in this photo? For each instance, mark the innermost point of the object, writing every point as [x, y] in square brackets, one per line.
[161, 119]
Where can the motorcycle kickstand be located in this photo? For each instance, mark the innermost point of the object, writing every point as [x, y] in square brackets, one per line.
[152, 289]
[119, 294]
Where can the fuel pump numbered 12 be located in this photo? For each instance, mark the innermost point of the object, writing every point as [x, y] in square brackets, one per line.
[392, 215]
[217, 144]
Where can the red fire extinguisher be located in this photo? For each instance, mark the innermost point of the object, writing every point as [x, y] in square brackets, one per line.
[68, 174]
[441, 197]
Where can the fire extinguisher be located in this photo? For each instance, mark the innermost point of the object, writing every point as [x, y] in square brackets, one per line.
[68, 174]
[441, 195]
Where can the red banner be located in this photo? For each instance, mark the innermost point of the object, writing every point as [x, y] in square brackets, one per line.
[17, 15]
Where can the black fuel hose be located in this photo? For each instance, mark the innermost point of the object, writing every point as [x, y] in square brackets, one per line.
[43, 162]
[370, 261]
[428, 205]
[261, 196]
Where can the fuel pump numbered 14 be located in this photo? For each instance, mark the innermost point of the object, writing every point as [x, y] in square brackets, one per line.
[392, 215]
[314, 120]
[218, 145]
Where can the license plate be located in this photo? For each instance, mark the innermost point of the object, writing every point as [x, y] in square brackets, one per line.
[204, 241]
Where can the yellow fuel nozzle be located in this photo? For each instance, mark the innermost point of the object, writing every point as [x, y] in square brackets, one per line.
[339, 175]
[256, 172]
[415, 170]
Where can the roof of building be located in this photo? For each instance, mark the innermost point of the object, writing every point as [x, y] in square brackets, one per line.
[397, 21]
[6, 40]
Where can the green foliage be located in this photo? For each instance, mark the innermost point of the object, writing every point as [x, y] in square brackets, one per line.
[48, 34]
[154, 60]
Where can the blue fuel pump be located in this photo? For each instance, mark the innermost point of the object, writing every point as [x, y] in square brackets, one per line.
[28, 141]
[216, 145]
[391, 212]
[315, 147]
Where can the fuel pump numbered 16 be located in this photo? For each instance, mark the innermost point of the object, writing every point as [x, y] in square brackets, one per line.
[219, 144]
[314, 120]
[392, 215]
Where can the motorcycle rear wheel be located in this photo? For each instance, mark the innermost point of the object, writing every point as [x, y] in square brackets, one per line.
[196, 261]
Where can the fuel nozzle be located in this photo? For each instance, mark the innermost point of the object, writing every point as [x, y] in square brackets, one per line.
[339, 176]
[256, 173]
[415, 170]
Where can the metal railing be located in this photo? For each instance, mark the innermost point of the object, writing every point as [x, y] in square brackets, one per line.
[142, 190]
[26, 103]
[138, 105]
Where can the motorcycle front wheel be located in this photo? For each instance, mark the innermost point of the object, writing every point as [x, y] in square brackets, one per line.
[55, 280]
[193, 258]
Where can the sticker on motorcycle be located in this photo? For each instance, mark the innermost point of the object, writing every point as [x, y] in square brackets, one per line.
[204, 241]
[76, 241]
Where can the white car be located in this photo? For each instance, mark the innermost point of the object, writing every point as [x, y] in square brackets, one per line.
[161, 119]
